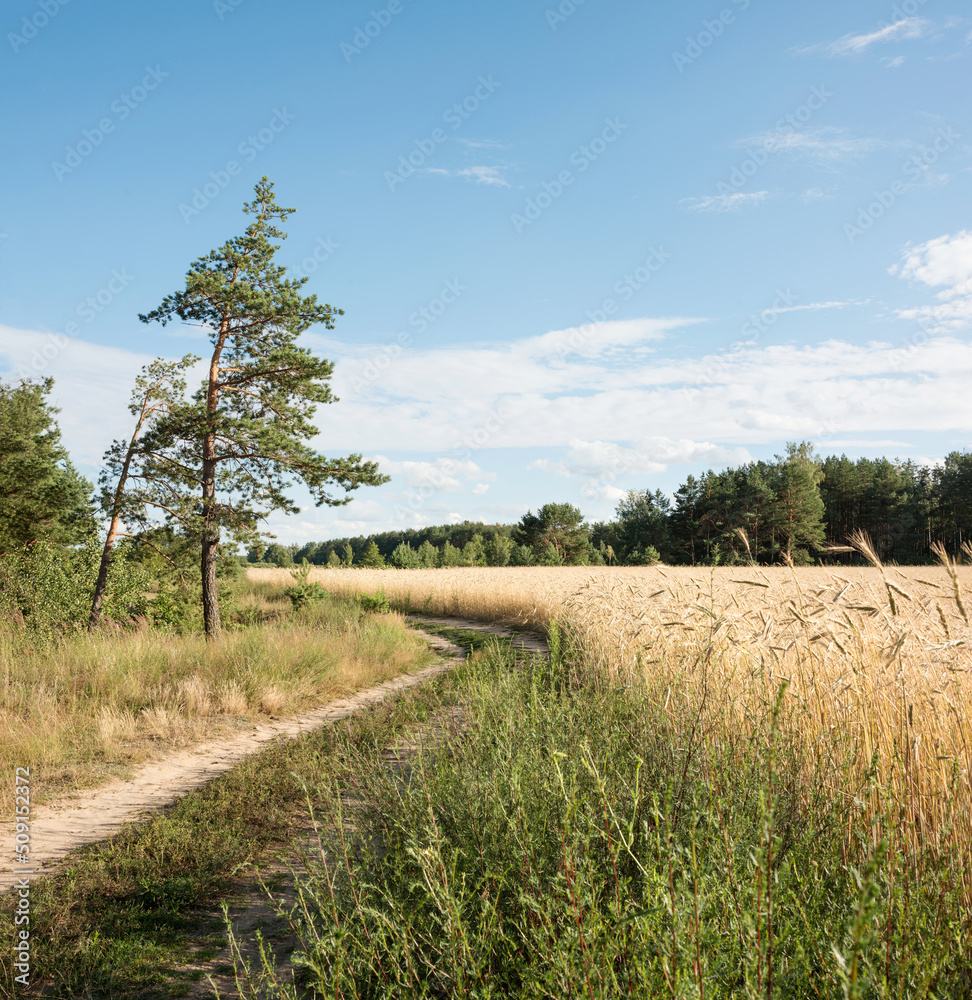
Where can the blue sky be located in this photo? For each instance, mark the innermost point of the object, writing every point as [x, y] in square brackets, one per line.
[581, 248]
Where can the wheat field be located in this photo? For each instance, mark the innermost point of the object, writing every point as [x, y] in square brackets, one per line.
[874, 663]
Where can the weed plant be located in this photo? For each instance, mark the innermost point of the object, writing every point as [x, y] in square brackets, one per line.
[876, 660]
[580, 839]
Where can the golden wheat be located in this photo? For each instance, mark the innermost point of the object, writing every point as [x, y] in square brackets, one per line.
[876, 661]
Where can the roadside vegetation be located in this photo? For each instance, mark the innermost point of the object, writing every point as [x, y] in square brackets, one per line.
[134, 916]
[90, 706]
[582, 838]
[875, 665]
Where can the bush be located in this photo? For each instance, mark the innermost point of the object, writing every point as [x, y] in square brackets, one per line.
[643, 555]
[47, 589]
[302, 594]
[374, 602]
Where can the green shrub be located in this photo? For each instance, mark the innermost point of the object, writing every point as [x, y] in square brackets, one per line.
[374, 602]
[47, 588]
[304, 593]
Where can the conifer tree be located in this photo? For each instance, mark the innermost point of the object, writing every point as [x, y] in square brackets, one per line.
[799, 505]
[42, 496]
[128, 494]
[229, 455]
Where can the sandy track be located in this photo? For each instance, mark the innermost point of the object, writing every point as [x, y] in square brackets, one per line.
[60, 827]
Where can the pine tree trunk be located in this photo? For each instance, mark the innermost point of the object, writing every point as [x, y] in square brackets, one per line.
[210, 532]
[99, 594]
[210, 593]
[210, 541]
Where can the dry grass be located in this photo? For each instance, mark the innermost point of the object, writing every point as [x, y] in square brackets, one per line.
[93, 705]
[876, 661]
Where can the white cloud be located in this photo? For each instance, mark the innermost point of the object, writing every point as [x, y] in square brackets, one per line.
[814, 306]
[92, 385]
[492, 175]
[598, 399]
[607, 469]
[479, 489]
[892, 62]
[562, 360]
[481, 143]
[484, 175]
[944, 261]
[737, 398]
[724, 202]
[444, 474]
[908, 28]
[826, 145]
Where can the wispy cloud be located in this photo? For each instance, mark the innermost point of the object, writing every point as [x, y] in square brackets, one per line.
[606, 412]
[828, 144]
[892, 62]
[492, 175]
[481, 143]
[724, 202]
[484, 175]
[603, 467]
[444, 474]
[814, 306]
[851, 44]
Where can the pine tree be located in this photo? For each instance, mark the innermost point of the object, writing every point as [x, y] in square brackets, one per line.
[228, 456]
[128, 495]
[371, 558]
[559, 526]
[42, 496]
[799, 508]
[643, 524]
[685, 519]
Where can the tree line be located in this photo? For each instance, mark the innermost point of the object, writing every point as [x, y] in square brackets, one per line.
[799, 507]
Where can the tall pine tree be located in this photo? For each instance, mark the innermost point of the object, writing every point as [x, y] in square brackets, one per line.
[227, 458]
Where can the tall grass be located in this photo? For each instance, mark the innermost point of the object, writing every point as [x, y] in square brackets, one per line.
[78, 709]
[578, 839]
[877, 662]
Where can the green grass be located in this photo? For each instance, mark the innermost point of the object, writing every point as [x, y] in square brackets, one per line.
[470, 639]
[122, 918]
[578, 841]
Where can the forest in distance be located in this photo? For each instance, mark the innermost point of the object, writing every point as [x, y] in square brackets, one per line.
[801, 506]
